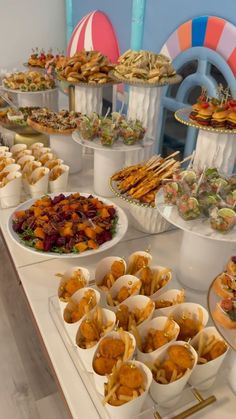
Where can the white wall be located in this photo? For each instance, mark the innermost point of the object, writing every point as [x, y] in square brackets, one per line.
[25, 24]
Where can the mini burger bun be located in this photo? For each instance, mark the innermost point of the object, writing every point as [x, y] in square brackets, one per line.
[220, 317]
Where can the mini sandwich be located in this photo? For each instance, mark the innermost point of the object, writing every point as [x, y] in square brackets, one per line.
[195, 109]
[204, 116]
[231, 120]
[219, 118]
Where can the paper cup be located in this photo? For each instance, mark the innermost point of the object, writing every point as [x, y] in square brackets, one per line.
[28, 169]
[52, 163]
[86, 355]
[100, 380]
[46, 157]
[157, 269]
[17, 148]
[60, 184]
[139, 301]
[3, 149]
[132, 408]
[5, 162]
[66, 276]
[138, 253]
[12, 168]
[5, 154]
[158, 324]
[181, 309]
[23, 153]
[34, 146]
[10, 194]
[24, 159]
[72, 328]
[103, 268]
[167, 395]
[169, 295]
[128, 281]
[41, 186]
[42, 150]
[204, 375]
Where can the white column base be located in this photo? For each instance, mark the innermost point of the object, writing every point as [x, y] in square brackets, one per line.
[201, 260]
[215, 150]
[88, 99]
[106, 163]
[232, 371]
[45, 99]
[144, 104]
[67, 150]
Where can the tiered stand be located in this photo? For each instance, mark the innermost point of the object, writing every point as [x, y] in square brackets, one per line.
[144, 104]
[108, 160]
[227, 334]
[43, 98]
[203, 250]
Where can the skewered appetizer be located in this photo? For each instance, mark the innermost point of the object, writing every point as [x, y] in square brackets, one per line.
[189, 324]
[66, 224]
[156, 338]
[74, 311]
[225, 313]
[62, 122]
[144, 66]
[29, 81]
[40, 58]
[129, 319]
[225, 283]
[86, 67]
[209, 348]
[141, 182]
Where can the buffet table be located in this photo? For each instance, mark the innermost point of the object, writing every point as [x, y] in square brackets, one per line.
[36, 274]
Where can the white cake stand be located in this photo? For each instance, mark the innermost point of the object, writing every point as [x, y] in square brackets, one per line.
[216, 147]
[203, 250]
[107, 160]
[43, 98]
[228, 335]
[144, 104]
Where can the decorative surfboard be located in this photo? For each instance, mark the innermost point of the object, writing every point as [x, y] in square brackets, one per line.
[205, 31]
[95, 32]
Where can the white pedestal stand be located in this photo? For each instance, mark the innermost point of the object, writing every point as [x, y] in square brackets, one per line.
[88, 99]
[144, 104]
[215, 150]
[201, 259]
[67, 150]
[107, 161]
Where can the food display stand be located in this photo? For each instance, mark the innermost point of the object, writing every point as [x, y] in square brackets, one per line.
[36, 274]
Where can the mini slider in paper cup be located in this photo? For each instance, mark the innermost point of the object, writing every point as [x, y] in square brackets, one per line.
[133, 312]
[38, 182]
[17, 148]
[71, 281]
[129, 381]
[107, 271]
[27, 170]
[166, 302]
[138, 260]
[52, 163]
[58, 178]
[211, 350]
[46, 157]
[157, 333]
[124, 287]
[3, 149]
[93, 327]
[116, 345]
[171, 371]
[81, 302]
[154, 280]
[10, 193]
[12, 168]
[5, 161]
[191, 318]
[22, 153]
[24, 159]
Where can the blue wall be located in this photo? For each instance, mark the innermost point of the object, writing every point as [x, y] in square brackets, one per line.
[118, 11]
[161, 19]
[164, 16]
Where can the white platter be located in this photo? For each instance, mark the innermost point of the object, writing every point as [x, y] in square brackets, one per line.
[122, 226]
[6, 89]
[201, 226]
[117, 146]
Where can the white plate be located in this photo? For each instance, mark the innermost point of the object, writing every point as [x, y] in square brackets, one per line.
[6, 89]
[122, 226]
[117, 146]
[201, 226]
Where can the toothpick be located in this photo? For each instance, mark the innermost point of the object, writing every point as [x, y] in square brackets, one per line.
[122, 107]
[107, 113]
[191, 161]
